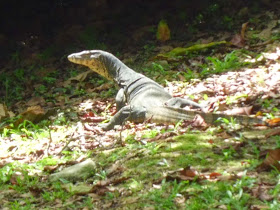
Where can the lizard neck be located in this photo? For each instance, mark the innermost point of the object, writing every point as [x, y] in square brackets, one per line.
[118, 71]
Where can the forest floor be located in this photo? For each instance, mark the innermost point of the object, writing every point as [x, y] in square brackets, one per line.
[147, 166]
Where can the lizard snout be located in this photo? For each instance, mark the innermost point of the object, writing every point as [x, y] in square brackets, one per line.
[76, 58]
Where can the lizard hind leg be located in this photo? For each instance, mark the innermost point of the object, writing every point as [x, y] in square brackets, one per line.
[181, 103]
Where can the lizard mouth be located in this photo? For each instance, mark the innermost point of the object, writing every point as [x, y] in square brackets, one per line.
[76, 58]
[82, 58]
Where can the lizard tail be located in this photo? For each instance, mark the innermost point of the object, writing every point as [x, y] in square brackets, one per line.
[169, 115]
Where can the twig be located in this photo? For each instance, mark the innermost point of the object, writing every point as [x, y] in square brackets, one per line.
[73, 139]
[50, 141]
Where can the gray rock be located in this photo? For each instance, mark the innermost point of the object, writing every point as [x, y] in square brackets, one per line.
[78, 172]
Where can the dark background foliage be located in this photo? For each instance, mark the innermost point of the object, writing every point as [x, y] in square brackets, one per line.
[29, 25]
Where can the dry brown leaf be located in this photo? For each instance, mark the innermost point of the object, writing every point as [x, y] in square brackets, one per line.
[101, 186]
[273, 122]
[181, 78]
[163, 31]
[105, 86]
[188, 172]
[266, 33]
[162, 136]
[211, 141]
[35, 191]
[91, 117]
[198, 121]
[81, 77]
[240, 111]
[273, 133]
[243, 29]
[259, 113]
[224, 135]
[214, 175]
[271, 161]
[3, 112]
[33, 114]
[261, 192]
[238, 41]
[37, 100]
[50, 168]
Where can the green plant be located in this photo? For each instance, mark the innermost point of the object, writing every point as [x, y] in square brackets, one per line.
[109, 93]
[6, 173]
[187, 75]
[231, 123]
[49, 80]
[155, 70]
[150, 134]
[267, 103]
[57, 193]
[213, 8]
[80, 92]
[15, 205]
[15, 57]
[274, 205]
[98, 81]
[177, 125]
[230, 61]
[233, 99]
[42, 89]
[102, 175]
[72, 72]
[228, 153]
[47, 161]
[153, 147]
[135, 185]
[227, 22]
[255, 149]
[19, 74]
[60, 119]
[269, 115]
[109, 196]
[149, 48]
[47, 53]
[163, 198]
[27, 128]
[88, 203]
[13, 84]
[90, 38]
[277, 140]
[230, 194]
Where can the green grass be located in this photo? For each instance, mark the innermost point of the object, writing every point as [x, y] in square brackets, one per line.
[146, 165]
[217, 66]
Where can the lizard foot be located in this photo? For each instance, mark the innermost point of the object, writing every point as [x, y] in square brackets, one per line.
[106, 126]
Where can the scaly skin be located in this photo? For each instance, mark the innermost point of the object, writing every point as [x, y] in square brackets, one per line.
[141, 98]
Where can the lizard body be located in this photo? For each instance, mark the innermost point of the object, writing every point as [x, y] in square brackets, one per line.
[141, 98]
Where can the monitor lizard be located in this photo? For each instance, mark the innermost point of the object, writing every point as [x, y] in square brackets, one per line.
[140, 98]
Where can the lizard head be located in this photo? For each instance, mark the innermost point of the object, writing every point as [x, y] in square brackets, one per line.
[94, 59]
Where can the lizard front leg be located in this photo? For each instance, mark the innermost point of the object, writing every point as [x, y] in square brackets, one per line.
[134, 114]
[120, 99]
